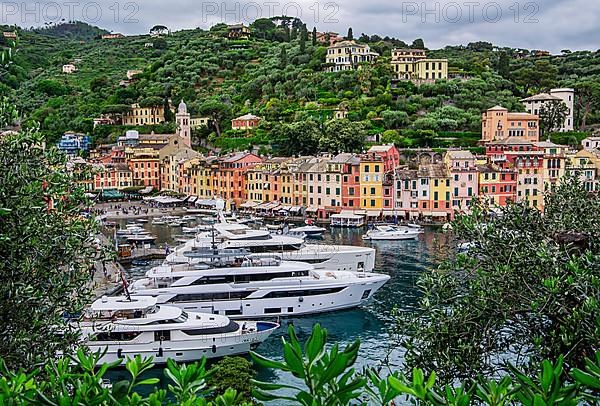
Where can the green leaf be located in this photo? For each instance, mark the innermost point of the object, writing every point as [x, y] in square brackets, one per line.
[586, 379]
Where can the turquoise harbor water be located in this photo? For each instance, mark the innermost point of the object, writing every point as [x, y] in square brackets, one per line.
[404, 261]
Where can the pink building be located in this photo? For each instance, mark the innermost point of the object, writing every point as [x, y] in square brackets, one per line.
[389, 154]
[463, 177]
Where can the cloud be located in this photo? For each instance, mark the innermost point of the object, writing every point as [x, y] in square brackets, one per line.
[542, 24]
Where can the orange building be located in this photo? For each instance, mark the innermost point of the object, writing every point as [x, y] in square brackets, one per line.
[245, 122]
[229, 175]
[145, 166]
[497, 185]
[497, 124]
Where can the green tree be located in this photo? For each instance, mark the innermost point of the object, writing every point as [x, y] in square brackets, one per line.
[526, 289]
[232, 372]
[314, 36]
[343, 136]
[159, 30]
[587, 97]
[303, 38]
[503, 65]
[217, 111]
[283, 57]
[552, 116]
[418, 44]
[349, 36]
[393, 119]
[47, 250]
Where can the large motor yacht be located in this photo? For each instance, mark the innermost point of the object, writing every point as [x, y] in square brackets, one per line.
[126, 327]
[231, 235]
[254, 286]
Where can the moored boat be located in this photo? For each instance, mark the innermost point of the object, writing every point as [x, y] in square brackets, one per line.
[125, 327]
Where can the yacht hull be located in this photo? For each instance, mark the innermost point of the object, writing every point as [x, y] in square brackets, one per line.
[185, 350]
[300, 298]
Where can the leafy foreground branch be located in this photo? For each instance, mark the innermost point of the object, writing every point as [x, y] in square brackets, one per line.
[325, 377]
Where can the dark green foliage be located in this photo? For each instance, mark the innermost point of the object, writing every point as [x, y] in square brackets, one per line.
[325, 377]
[527, 289]
[73, 30]
[78, 381]
[235, 373]
[200, 66]
[46, 250]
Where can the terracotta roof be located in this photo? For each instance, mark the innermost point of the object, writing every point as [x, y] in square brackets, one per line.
[248, 116]
[460, 154]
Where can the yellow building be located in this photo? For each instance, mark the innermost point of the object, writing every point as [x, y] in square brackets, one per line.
[586, 165]
[371, 183]
[201, 173]
[197, 122]
[347, 55]
[555, 158]
[438, 202]
[144, 115]
[413, 64]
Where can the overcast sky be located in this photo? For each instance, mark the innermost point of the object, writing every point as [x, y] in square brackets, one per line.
[545, 24]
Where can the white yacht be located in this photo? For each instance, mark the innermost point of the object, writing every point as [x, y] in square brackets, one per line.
[290, 248]
[257, 286]
[126, 327]
[391, 232]
[310, 230]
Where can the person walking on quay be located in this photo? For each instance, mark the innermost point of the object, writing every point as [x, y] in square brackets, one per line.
[167, 249]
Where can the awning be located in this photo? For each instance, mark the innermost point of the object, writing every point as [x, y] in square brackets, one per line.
[347, 215]
[360, 212]
[414, 214]
[439, 214]
[167, 200]
[285, 208]
[312, 209]
[296, 209]
[249, 204]
[111, 194]
[193, 199]
[373, 213]
[206, 202]
[146, 190]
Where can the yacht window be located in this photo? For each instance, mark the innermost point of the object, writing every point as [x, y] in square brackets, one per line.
[201, 297]
[115, 336]
[311, 292]
[272, 310]
[230, 328]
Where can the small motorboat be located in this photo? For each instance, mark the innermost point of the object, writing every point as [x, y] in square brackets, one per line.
[310, 230]
[141, 220]
[188, 218]
[139, 238]
[390, 232]
[158, 221]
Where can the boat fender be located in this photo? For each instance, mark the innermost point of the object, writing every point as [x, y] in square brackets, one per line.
[160, 352]
[120, 353]
[280, 231]
[301, 299]
[214, 349]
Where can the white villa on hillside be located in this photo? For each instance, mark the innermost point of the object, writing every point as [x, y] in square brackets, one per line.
[534, 103]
